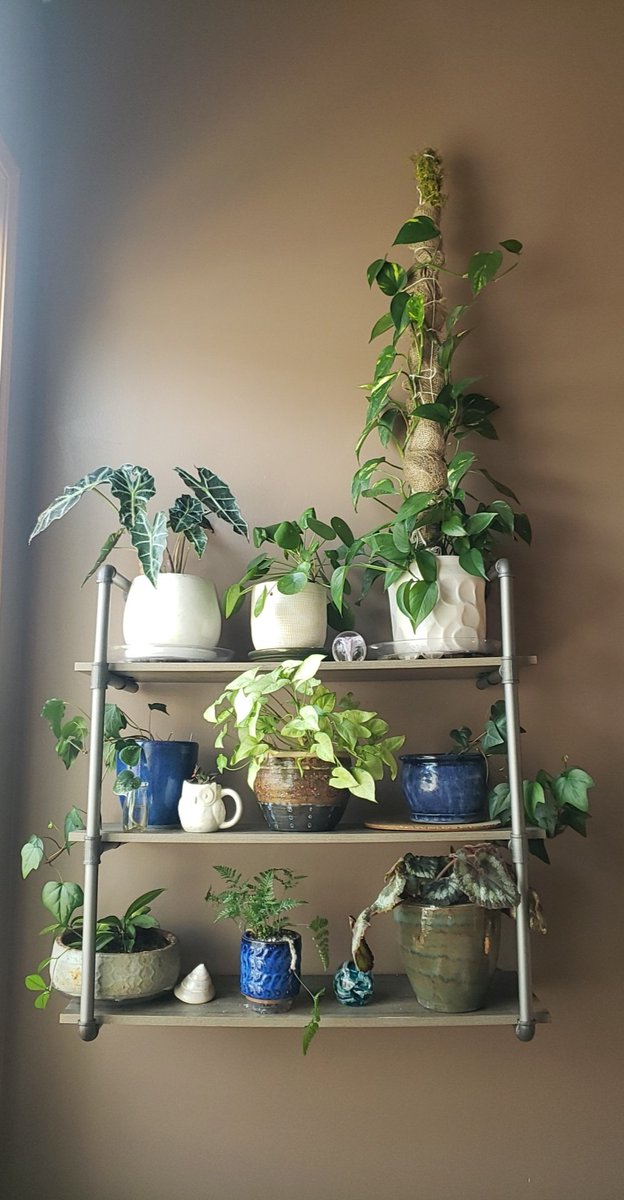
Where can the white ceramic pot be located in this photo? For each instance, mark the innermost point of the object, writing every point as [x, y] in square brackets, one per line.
[456, 624]
[201, 808]
[289, 622]
[180, 613]
[120, 977]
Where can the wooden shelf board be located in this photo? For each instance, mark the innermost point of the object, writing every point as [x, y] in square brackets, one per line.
[394, 1006]
[398, 671]
[112, 834]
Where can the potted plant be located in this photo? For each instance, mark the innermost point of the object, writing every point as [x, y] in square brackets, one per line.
[551, 802]
[305, 750]
[434, 548]
[270, 962]
[137, 755]
[299, 587]
[201, 807]
[135, 958]
[448, 914]
[167, 610]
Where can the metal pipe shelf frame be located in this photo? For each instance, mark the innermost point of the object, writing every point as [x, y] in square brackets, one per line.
[486, 671]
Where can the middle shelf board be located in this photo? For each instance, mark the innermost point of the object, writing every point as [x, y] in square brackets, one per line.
[394, 1006]
[371, 670]
[113, 834]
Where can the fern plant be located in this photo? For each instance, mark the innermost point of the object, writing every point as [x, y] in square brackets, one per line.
[262, 912]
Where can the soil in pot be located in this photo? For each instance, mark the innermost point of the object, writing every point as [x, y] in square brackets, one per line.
[148, 971]
[295, 796]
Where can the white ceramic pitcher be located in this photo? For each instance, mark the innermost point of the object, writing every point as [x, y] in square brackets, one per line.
[201, 808]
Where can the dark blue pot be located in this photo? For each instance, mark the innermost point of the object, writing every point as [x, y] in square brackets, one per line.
[445, 789]
[266, 978]
[164, 766]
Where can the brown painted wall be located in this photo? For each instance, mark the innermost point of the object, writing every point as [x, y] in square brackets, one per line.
[219, 176]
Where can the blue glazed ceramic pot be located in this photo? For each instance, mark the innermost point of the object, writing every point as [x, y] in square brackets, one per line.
[164, 766]
[445, 789]
[266, 978]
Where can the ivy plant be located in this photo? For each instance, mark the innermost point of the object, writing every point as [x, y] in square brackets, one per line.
[288, 708]
[263, 912]
[551, 802]
[131, 488]
[307, 551]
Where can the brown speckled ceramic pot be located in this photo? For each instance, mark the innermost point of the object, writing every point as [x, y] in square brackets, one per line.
[294, 794]
[449, 954]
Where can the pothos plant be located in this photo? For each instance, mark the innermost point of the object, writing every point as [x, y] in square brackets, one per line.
[131, 489]
[423, 415]
[476, 874]
[551, 802]
[259, 911]
[288, 708]
[307, 551]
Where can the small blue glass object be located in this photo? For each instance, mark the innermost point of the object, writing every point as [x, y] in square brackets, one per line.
[353, 987]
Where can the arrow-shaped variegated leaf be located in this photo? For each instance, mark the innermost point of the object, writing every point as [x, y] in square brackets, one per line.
[149, 542]
[215, 496]
[186, 516]
[109, 545]
[70, 496]
[132, 487]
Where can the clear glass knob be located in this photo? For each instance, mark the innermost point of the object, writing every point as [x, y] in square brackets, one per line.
[349, 647]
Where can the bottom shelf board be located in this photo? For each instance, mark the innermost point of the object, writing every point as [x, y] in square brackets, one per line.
[394, 1006]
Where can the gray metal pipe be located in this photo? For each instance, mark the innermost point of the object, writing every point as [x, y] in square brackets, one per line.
[518, 844]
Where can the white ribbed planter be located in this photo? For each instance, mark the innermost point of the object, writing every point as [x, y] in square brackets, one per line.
[181, 612]
[456, 624]
[136, 976]
[289, 622]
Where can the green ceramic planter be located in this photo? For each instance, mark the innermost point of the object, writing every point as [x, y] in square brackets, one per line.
[449, 954]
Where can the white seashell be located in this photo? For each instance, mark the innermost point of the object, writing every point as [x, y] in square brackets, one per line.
[196, 987]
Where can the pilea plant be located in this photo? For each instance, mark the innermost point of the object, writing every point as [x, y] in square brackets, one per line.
[423, 415]
[290, 709]
[551, 802]
[468, 875]
[306, 557]
[131, 488]
[260, 912]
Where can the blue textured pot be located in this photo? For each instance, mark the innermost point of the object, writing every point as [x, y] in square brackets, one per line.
[266, 978]
[445, 789]
[164, 766]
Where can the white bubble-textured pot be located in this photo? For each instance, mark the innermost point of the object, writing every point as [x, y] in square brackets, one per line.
[119, 977]
[289, 622]
[456, 624]
[181, 611]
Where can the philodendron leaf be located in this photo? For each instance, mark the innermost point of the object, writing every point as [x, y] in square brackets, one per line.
[482, 268]
[70, 496]
[472, 562]
[416, 600]
[374, 269]
[391, 277]
[53, 711]
[186, 516]
[73, 820]
[381, 326]
[512, 245]
[32, 855]
[114, 721]
[458, 466]
[149, 542]
[215, 496]
[499, 801]
[138, 906]
[418, 229]
[62, 899]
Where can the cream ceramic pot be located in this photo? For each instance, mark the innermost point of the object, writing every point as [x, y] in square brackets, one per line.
[201, 808]
[289, 622]
[456, 623]
[136, 976]
[180, 613]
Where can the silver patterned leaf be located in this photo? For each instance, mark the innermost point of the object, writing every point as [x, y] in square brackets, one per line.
[149, 541]
[186, 516]
[70, 496]
[215, 496]
[132, 487]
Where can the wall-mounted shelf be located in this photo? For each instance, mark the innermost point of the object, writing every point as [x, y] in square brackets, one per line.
[394, 1006]
[113, 834]
[377, 670]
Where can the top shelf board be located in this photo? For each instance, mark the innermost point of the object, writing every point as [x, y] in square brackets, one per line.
[375, 670]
